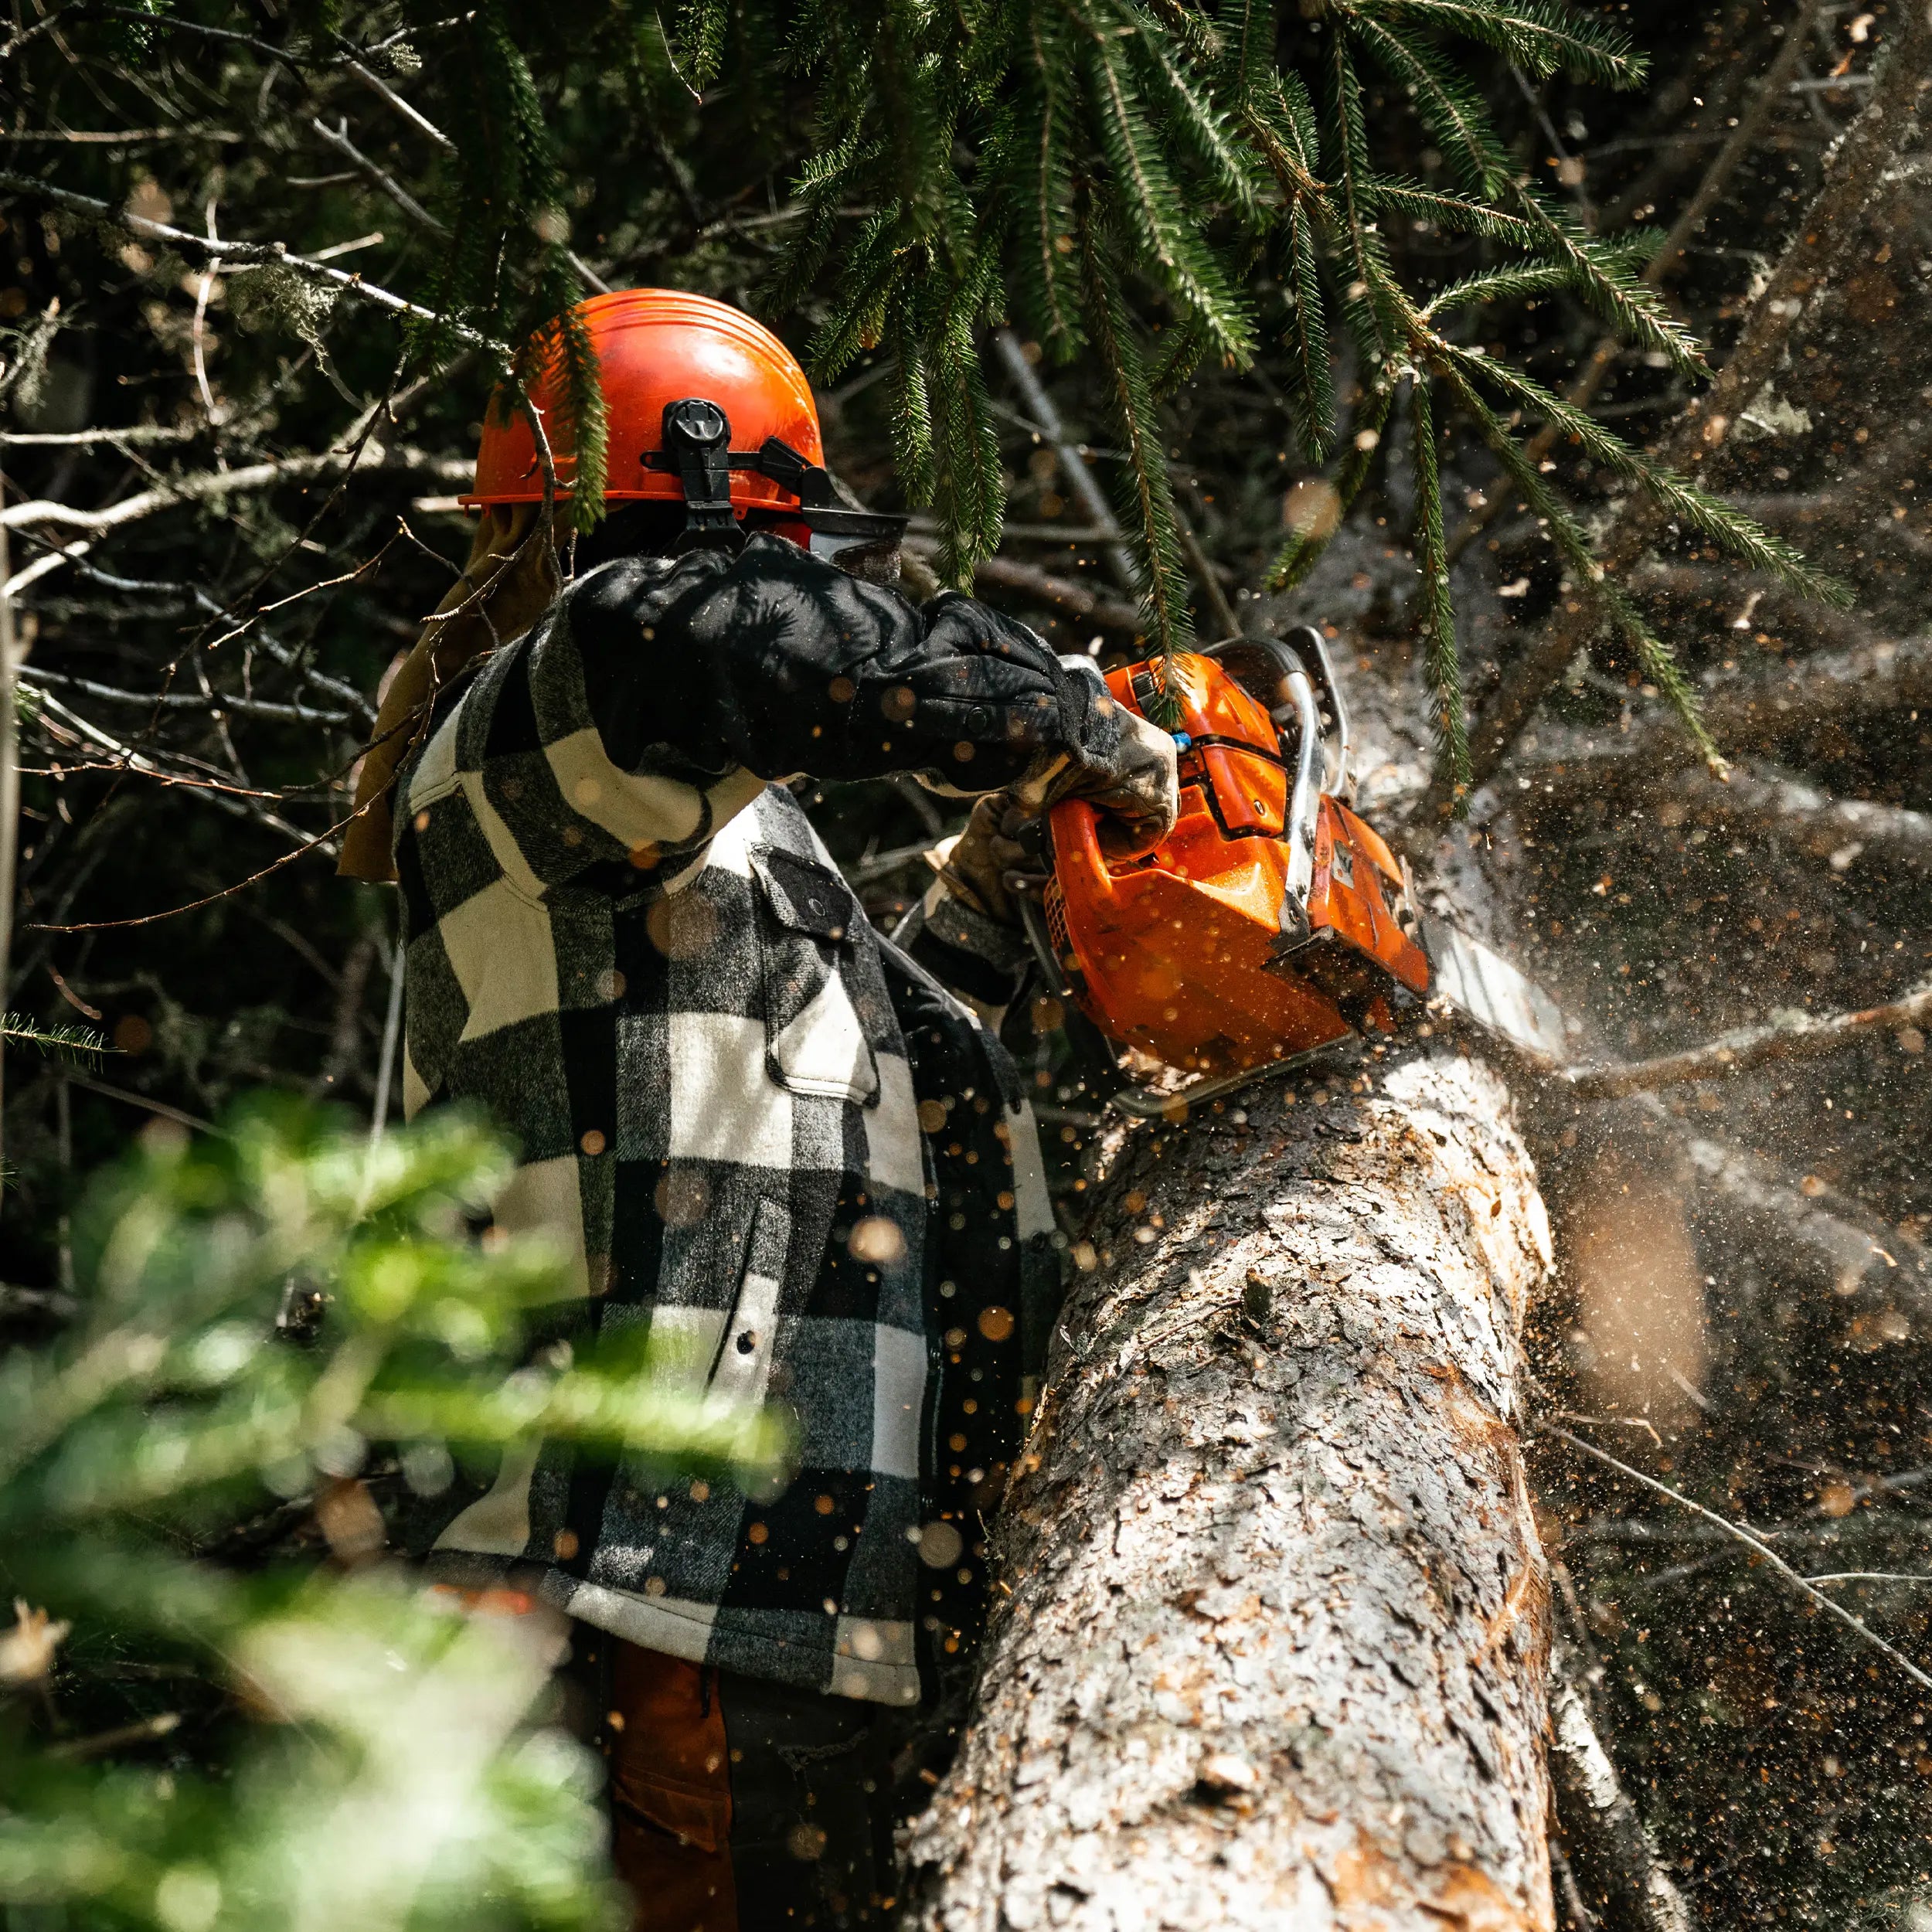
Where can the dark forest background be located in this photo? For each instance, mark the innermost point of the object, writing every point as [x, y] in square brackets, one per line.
[1745, 1301]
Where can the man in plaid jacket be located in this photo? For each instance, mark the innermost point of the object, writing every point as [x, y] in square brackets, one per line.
[759, 1128]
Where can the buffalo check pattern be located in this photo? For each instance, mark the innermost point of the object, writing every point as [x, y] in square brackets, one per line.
[658, 981]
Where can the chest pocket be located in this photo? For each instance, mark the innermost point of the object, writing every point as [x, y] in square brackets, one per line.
[816, 1040]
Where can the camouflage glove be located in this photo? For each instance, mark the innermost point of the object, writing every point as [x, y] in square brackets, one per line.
[983, 856]
[1136, 792]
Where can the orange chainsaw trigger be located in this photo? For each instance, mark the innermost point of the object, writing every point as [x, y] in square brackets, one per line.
[1261, 925]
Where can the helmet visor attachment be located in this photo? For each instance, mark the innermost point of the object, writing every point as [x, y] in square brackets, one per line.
[697, 450]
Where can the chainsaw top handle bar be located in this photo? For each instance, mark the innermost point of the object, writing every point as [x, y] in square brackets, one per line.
[1268, 667]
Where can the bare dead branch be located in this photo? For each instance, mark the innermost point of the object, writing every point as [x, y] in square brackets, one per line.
[239, 254]
[1615, 1865]
[1799, 1038]
[206, 483]
[238, 800]
[184, 701]
[1642, 1533]
[136, 435]
[384, 93]
[1857, 165]
[1850, 1247]
[1763, 799]
[1749, 1539]
[337, 138]
[1081, 482]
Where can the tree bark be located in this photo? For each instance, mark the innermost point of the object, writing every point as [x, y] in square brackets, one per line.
[1274, 1649]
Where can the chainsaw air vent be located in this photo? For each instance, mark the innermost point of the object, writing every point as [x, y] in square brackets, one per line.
[1057, 920]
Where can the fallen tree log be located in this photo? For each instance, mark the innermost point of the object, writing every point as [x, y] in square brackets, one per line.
[1275, 1648]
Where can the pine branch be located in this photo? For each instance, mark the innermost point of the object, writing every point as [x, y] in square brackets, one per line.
[1144, 193]
[82, 1045]
[1200, 124]
[1541, 36]
[1366, 308]
[1659, 661]
[1314, 393]
[1605, 282]
[1147, 502]
[1501, 285]
[1439, 611]
[1731, 529]
[1049, 184]
[1448, 107]
[702, 27]
[1457, 213]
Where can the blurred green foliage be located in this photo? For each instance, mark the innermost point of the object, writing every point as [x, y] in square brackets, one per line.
[192, 1739]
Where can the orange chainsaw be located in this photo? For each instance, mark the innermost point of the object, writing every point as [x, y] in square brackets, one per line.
[1272, 922]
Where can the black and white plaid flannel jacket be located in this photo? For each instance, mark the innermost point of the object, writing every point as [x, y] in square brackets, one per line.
[757, 1127]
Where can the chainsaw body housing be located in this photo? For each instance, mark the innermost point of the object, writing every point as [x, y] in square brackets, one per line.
[1262, 925]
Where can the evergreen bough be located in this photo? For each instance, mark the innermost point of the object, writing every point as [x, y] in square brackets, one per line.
[1052, 160]
[264, 1317]
[1140, 185]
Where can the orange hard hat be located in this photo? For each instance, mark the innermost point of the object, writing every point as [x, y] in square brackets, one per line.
[656, 346]
[663, 356]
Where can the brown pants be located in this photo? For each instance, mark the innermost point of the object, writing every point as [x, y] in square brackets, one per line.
[742, 1806]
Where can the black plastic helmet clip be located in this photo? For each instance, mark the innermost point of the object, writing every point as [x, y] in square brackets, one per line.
[697, 442]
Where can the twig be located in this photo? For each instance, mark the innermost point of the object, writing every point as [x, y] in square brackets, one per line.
[108, 1091]
[184, 701]
[1870, 1577]
[1226, 624]
[384, 92]
[1645, 1533]
[1799, 1038]
[1665, 263]
[135, 435]
[236, 800]
[1748, 1538]
[203, 289]
[9, 779]
[337, 138]
[392, 1033]
[882, 865]
[1873, 138]
[243, 254]
[1080, 480]
[45, 24]
[145, 1731]
[290, 657]
[321, 839]
[1611, 1852]
[207, 483]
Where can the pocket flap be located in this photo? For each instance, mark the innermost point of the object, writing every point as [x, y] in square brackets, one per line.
[700, 1818]
[804, 895]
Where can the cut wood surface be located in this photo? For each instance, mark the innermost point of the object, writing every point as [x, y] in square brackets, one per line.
[1275, 1650]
